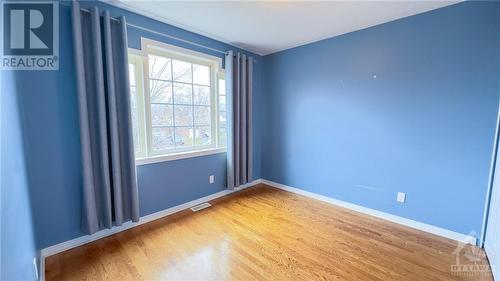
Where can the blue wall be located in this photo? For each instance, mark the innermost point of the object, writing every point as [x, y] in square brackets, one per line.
[49, 101]
[408, 106]
[17, 236]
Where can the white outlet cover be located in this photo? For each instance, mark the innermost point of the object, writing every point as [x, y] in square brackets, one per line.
[211, 179]
[401, 197]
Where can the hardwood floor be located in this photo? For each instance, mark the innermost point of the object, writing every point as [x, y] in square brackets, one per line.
[266, 234]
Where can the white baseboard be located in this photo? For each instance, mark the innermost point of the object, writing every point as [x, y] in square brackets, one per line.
[64, 246]
[393, 218]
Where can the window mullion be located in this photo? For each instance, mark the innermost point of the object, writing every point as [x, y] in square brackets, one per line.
[192, 106]
[173, 102]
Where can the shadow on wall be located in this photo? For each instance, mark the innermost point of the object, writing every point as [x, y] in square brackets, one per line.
[17, 236]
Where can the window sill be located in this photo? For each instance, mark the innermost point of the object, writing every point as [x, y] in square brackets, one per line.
[178, 156]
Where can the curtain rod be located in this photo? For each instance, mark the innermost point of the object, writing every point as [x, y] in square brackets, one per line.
[158, 33]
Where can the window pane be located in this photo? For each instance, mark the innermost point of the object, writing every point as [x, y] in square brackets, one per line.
[161, 115]
[201, 74]
[222, 117]
[202, 115]
[183, 93]
[160, 67]
[160, 91]
[203, 136]
[222, 133]
[162, 138]
[135, 118]
[222, 136]
[183, 115]
[182, 71]
[131, 74]
[222, 103]
[222, 87]
[183, 136]
[201, 95]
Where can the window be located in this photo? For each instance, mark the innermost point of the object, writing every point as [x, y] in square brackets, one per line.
[178, 103]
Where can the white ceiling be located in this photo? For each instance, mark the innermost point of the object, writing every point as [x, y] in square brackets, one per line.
[265, 27]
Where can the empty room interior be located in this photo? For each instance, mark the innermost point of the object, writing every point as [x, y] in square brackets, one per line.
[250, 140]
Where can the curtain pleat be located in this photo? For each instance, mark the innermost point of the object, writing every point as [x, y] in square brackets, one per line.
[236, 124]
[104, 199]
[110, 194]
[243, 119]
[249, 117]
[239, 68]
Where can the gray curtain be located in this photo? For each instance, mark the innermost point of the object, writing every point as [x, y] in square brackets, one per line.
[110, 195]
[239, 68]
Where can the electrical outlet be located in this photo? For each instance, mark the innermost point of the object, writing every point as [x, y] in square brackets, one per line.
[35, 267]
[401, 197]
[211, 179]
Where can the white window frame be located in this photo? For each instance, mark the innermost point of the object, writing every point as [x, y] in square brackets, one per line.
[137, 60]
[221, 75]
[140, 59]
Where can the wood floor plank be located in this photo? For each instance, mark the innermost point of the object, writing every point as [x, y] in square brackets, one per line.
[264, 233]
